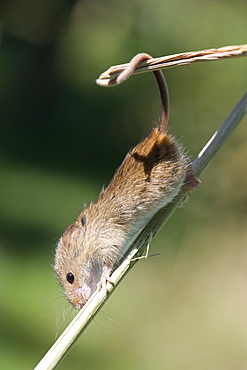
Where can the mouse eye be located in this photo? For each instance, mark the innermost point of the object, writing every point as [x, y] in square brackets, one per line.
[83, 220]
[70, 277]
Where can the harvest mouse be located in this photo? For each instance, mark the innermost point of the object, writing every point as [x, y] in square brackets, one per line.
[149, 178]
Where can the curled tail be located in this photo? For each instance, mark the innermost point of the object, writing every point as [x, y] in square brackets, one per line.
[163, 89]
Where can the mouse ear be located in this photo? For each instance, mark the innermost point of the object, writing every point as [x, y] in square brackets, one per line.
[163, 89]
[83, 220]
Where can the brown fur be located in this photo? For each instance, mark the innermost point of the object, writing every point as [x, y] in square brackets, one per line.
[149, 178]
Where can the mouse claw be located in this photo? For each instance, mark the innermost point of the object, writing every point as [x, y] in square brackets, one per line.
[105, 278]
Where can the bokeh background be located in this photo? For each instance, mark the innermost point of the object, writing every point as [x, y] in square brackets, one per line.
[62, 137]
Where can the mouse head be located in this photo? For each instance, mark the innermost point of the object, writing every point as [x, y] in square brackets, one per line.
[76, 273]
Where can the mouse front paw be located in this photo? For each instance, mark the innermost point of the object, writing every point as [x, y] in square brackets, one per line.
[105, 278]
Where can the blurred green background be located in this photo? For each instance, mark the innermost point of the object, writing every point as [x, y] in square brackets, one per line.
[62, 137]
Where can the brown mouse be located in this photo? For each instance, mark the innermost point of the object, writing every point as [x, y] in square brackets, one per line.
[149, 178]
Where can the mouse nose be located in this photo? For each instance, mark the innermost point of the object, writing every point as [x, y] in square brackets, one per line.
[80, 296]
[78, 305]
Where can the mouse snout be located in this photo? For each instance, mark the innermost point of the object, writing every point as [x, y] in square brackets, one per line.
[80, 296]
